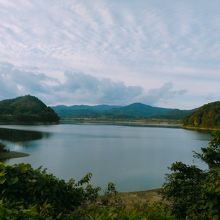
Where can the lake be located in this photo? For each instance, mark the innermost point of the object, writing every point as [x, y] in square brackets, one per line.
[134, 158]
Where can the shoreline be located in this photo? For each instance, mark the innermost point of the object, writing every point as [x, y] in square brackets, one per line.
[200, 128]
[140, 123]
[12, 154]
[164, 123]
[169, 123]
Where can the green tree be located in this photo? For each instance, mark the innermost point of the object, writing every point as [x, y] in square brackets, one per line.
[193, 193]
[22, 185]
[211, 154]
[3, 148]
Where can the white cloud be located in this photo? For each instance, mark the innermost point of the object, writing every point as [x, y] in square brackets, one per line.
[78, 88]
[144, 43]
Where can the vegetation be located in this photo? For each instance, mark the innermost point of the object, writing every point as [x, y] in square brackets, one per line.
[3, 148]
[27, 193]
[194, 193]
[26, 109]
[133, 111]
[189, 193]
[24, 189]
[207, 116]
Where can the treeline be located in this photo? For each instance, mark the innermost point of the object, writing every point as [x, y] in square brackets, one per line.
[189, 193]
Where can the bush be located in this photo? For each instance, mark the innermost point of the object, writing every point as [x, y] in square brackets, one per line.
[194, 193]
[3, 148]
[23, 185]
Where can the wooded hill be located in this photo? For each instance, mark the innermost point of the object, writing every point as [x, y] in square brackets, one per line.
[26, 109]
[207, 116]
[132, 111]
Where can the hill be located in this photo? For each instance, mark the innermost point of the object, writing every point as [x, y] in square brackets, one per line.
[82, 111]
[132, 111]
[26, 109]
[207, 116]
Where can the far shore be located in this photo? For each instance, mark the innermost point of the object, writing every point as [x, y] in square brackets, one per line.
[126, 122]
[164, 123]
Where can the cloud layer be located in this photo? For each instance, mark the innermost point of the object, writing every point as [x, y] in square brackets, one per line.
[77, 88]
[136, 46]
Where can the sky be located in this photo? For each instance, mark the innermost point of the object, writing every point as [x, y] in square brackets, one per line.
[159, 52]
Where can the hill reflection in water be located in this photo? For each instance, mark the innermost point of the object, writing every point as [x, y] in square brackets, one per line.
[14, 135]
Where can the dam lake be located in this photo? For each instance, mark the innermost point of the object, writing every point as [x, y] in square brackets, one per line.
[134, 158]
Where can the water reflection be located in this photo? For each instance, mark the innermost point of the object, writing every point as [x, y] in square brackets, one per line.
[15, 136]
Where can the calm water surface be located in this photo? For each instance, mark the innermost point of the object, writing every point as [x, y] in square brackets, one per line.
[134, 158]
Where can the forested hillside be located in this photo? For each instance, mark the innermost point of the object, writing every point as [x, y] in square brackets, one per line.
[26, 109]
[207, 116]
[132, 111]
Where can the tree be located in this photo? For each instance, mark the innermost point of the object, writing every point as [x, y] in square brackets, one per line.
[25, 187]
[211, 154]
[192, 192]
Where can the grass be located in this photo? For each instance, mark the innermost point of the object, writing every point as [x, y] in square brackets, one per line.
[132, 199]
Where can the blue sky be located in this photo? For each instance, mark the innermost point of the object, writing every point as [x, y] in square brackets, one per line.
[159, 52]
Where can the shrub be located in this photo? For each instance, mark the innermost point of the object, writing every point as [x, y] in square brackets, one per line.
[21, 184]
[194, 193]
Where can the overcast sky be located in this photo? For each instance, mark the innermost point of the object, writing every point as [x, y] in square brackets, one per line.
[159, 52]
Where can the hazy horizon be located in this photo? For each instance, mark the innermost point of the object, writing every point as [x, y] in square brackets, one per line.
[111, 52]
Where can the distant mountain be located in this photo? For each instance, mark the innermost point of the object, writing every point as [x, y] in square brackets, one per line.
[26, 109]
[132, 111]
[207, 116]
[82, 111]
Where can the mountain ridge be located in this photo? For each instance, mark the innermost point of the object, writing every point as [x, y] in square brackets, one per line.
[131, 111]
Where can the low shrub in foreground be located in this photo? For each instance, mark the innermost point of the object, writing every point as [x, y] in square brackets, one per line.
[24, 186]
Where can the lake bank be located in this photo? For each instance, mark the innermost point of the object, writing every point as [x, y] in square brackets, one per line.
[166, 123]
[12, 154]
[200, 128]
[121, 122]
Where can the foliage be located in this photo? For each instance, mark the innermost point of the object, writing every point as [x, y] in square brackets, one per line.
[3, 148]
[111, 207]
[211, 154]
[207, 116]
[26, 109]
[111, 197]
[27, 193]
[23, 185]
[193, 193]
[21, 213]
[100, 212]
[183, 187]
